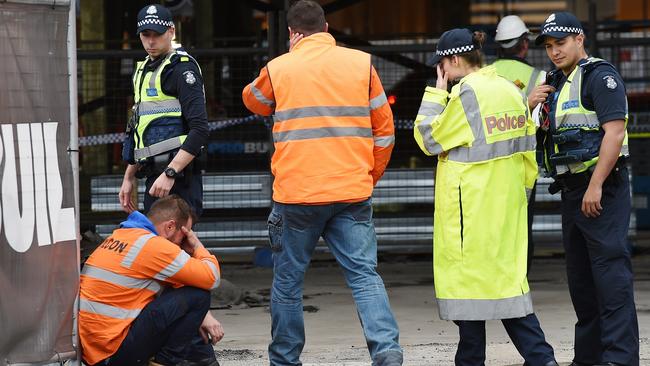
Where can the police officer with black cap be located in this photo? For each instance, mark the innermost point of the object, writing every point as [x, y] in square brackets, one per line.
[584, 119]
[482, 172]
[169, 123]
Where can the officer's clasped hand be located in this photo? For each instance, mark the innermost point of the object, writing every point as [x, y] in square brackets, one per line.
[539, 95]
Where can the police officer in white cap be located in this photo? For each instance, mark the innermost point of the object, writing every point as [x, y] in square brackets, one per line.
[169, 124]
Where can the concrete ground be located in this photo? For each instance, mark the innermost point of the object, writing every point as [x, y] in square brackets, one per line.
[334, 336]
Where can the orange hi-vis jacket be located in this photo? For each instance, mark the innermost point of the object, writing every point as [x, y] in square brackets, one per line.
[123, 275]
[332, 125]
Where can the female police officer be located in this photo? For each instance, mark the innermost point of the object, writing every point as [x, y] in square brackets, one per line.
[585, 151]
[485, 143]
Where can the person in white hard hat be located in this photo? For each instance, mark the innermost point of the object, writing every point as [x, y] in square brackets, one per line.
[512, 35]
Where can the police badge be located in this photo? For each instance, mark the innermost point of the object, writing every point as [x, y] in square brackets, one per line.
[189, 77]
[610, 83]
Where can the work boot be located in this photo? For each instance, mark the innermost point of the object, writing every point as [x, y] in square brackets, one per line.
[204, 362]
[552, 363]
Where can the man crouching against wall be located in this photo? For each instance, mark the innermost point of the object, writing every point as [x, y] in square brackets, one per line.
[122, 321]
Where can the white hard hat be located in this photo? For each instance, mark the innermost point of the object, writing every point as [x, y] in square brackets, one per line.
[509, 29]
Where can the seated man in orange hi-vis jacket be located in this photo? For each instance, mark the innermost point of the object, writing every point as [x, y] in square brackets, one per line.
[333, 135]
[145, 292]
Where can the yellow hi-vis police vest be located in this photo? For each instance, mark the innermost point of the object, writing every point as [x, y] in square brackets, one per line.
[524, 76]
[485, 142]
[570, 114]
[152, 103]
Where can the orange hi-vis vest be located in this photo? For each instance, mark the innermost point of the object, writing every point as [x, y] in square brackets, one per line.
[123, 275]
[332, 125]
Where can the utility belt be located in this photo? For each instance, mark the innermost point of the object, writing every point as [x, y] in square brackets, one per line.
[571, 182]
[155, 166]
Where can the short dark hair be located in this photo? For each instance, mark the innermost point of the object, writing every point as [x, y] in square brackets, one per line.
[171, 207]
[306, 17]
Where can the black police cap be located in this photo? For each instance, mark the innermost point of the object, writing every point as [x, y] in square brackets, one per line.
[453, 42]
[559, 25]
[155, 17]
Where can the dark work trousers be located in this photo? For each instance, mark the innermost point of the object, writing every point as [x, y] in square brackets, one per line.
[188, 188]
[526, 335]
[167, 328]
[600, 275]
[531, 215]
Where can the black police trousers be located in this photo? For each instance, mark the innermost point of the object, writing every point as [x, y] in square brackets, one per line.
[599, 272]
[526, 334]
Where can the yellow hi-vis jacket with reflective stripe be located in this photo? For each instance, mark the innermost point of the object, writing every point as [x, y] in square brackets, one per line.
[152, 103]
[523, 75]
[570, 114]
[485, 142]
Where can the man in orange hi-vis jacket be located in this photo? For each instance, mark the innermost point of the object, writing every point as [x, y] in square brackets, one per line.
[122, 321]
[333, 135]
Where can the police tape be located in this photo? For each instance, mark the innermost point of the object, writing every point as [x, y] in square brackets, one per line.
[118, 138]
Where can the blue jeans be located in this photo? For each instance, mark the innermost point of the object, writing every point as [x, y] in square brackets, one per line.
[349, 232]
[167, 328]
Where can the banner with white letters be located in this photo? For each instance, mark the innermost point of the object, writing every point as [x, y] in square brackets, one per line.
[38, 239]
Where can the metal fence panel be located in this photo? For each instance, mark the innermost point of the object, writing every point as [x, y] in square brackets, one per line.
[240, 147]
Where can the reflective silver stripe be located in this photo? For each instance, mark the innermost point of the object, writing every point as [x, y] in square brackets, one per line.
[577, 120]
[378, 101]
[135, 250]
[121, 280]
[173, 267]
[482, 151]
[582, 166]
[430, 109]
[384, 141]
[472, 111]
[158, 148]
[532, 81]
[321, 111]
[215, 272]
[317, 133]
[261, 98]
[158, 106]
[561, 169]
[425, 129]
[152, 81]
[480, 309]
[107, 310]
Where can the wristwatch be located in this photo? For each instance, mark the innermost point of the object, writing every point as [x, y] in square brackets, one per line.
[171, 173]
